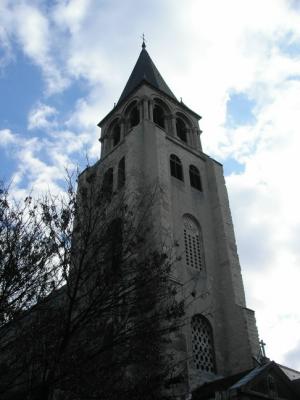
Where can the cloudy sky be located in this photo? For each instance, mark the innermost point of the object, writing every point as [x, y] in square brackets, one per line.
[63, 64]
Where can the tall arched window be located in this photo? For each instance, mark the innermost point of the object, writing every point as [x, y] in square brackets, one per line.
[107, 186]
[202, 344]
[116, 134]
[195, 179]
[194, 253]
[176, 167]
[159, 116]
[121, 173]
[134, 117]
[181, 129]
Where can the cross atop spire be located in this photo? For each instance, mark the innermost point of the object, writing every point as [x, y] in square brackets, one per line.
[144, 41]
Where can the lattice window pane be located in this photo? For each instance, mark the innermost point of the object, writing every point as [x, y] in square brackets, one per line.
[193, 245]
[202, 344]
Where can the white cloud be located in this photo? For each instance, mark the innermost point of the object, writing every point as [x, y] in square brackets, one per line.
[265, 200]
[26, 23]
[6, 54]
[6, 137]
[70, 14]
[218, 48]
[40, 115]
[41, 162]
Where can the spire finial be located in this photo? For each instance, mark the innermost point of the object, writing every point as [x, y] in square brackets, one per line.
[143, 44]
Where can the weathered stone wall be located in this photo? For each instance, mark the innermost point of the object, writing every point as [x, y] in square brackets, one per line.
[216, 292]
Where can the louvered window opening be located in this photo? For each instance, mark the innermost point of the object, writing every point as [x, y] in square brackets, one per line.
[192, 244]
[202, 345]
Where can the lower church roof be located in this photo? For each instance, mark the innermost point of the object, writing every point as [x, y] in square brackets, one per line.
[252, 384]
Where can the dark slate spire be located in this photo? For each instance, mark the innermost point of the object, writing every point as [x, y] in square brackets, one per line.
[145, 70]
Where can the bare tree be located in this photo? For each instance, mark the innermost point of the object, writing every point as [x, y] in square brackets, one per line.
[27, 271]
[104, 333]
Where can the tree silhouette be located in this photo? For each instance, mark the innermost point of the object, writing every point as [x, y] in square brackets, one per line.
[90, 305]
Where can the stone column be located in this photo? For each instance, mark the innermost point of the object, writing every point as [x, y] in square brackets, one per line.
[150, 110]
[168, 123]
[104, 145]
[189, 137]
[140, 108]
[145, 107]
[197, 133]
[122, 128]
[173, 121]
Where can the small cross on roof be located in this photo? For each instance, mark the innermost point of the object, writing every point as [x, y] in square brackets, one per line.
[144, 41]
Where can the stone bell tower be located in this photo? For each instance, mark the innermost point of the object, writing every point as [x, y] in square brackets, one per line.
[150, 136]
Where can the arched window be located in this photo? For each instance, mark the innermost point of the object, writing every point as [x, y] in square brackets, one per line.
[108, 180]
[132, 115]
[195, 179]
[202, 344]
[176, 167]
[116, 134]
[121, 173]
[193, 245]
[181, 129]
[159, 116]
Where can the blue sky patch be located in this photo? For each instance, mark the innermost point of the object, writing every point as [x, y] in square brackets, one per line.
[65, 101]
[240, 110]
[289, 46]
[23, 85]
[233, 166]
[294, 78]
[7, 165]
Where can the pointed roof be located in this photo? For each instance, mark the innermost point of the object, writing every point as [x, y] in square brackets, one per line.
[145, 70]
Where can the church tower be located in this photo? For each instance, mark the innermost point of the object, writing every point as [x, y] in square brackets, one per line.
[150, 137]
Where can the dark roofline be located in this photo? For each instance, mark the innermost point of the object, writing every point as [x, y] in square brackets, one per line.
[145, 82]
[240, 380]
[206, 390]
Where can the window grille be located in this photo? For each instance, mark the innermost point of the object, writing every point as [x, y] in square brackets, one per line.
[202, 344]
[176, 167]
[192, 244]
[195, 179]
